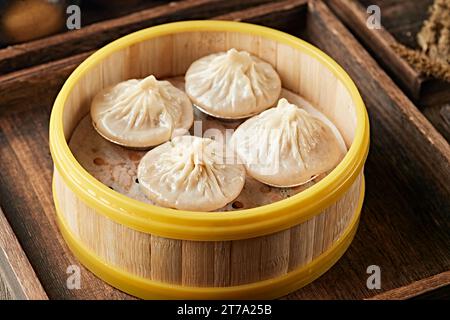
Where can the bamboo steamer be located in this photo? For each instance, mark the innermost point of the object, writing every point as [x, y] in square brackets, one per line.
[264, 252]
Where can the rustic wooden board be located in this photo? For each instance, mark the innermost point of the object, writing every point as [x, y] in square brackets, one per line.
[98, 34]
[419, 288]
[404, 226]
[96, 12]
[439, 116]
[17, 277]
[401, 22]
[5, 293]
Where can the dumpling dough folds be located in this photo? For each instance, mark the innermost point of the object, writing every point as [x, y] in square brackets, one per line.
[286, 146]
[232, 85]
[191, 173]
[141, 113]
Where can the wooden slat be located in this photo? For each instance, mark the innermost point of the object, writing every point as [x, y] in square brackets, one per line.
[404, 223]
[439, 116]
[5, 293]
[417, 288]
[40, 83]
[441, 293]
[98, 34]
[289, 16]
[17, 277]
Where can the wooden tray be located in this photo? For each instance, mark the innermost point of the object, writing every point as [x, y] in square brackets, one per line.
[404, 226]
[401, 21]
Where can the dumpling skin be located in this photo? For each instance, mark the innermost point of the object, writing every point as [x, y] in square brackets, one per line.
[141, 113]
[191, 173]
[286, 146]
[232, 84]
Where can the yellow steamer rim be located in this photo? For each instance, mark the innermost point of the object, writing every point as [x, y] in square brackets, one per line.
[201, 226]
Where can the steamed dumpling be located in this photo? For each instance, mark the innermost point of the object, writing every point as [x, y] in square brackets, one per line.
[141, 113]
[232, 85]
[286, 146]
[191, 173]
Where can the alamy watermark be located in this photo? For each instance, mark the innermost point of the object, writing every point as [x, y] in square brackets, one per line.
[73, 281]
[374, 19]
[73, 21]
[374, 280]
[224, 150]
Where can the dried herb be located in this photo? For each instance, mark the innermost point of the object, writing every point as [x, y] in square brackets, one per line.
[433, 60]
[434, 37]
[421, 62]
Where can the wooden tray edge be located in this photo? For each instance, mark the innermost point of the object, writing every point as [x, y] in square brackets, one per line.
[15, 269]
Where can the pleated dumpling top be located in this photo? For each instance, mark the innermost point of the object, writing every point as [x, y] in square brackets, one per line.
[286, 146]
[141, 113]
[232, 84]
[191, 173]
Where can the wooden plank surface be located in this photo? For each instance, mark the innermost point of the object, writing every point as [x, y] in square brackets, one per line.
[96, 12]
[440, 293]
[5, 293]
[417, 288]
[405, 216]
[98, 34]
[288, 16]
[17, 277]
[439, 116]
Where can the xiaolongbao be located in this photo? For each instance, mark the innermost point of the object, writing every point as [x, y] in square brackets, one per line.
[141, 113]
[286, 146]
[191, 173]
[232, 85]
